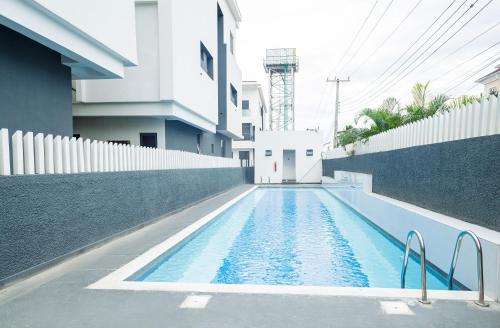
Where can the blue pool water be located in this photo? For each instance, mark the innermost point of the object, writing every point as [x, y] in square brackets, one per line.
[288, 236]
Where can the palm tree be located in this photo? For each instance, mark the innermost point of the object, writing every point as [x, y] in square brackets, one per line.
[424, 104]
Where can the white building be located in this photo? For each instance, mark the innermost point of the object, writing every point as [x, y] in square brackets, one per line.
[44, 44]
[254, 118]
[288, 156]
[185, 93]
[491, 82]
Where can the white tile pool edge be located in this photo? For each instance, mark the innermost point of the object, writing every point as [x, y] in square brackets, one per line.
[117, 279]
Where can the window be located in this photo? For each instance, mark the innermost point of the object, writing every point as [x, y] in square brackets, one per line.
[234, 96]
[269, 152]
[246, 130]
[309, 152]
[149, 140]
[213, 150]
[245, 104]
[206, 61]
[120, 142]
[198, 143]
[231, 42]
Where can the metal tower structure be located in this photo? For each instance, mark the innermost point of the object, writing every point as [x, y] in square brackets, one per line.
[281, 65]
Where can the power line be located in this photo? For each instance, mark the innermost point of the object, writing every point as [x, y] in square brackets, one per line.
[413, 44]
[357, 33]
[464, 62]
[474, 73]
[362, 43]
[388, 38]
[384, 82]
[464, 45]
[439, 47]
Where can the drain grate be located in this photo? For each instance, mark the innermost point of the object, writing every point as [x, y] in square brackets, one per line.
[195, 302]
[396, 308]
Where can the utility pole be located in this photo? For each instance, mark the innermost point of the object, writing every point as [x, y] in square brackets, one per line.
[337, 105]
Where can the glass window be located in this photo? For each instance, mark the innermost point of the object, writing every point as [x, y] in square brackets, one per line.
[206, 61]
[245, 104]
[234, 96]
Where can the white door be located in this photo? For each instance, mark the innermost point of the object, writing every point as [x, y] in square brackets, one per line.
[288, 165]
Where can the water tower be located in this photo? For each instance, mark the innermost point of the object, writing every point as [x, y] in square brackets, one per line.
[281, 65]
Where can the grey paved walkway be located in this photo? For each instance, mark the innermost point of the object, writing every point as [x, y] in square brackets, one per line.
[57, 298]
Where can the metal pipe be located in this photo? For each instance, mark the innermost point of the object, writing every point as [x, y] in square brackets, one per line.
[412, 233]
[479, 253]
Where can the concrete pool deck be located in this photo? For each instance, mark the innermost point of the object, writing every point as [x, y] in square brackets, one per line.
[58, 296]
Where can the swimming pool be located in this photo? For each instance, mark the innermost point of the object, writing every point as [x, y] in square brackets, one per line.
[287, 236]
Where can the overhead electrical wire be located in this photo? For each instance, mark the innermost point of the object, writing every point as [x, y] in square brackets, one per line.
[412, 45]
[385, 82]
[355, 70]
[362, 43]
[489, 64]
[439, 47]
[357, 33]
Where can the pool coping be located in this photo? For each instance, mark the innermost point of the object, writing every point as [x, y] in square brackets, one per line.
[117, 280]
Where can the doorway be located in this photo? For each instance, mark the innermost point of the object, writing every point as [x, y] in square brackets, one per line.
[289, 165]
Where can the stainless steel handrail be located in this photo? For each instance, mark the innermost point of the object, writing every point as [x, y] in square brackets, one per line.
[412, 233]
[479, 252]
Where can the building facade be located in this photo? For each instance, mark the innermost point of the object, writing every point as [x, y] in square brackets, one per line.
[185, 94]
[254, 118]
[491, 82]
[44, 44]
[288, 157]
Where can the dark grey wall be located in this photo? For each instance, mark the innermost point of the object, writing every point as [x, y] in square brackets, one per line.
[458, 178]
[48, 216]
[35, 88]
[181, 136]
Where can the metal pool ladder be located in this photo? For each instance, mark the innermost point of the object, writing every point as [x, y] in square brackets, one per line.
[412, 233]
[479, 252]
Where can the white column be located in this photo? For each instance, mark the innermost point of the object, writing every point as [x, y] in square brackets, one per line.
[49, 154]
[17, 153]
[58, 155]
[4, 152]
[39, 154]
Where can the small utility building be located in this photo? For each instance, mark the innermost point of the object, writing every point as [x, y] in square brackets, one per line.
[288, 157]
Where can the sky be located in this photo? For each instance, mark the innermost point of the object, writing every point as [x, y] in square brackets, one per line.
[323, 30]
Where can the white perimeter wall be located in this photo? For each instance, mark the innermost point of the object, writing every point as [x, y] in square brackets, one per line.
[308, 168]
[119, 128]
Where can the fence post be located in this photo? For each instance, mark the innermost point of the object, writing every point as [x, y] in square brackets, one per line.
[17, 153]
[111, 155]
[100, 156]
[94, 162]
[86, 155]
[80, 155]
[28, 153]
[58, 155]
[39, 154]
[49, 154]
[105, 157]
[73, 155]
[66, 156]
[4, 152]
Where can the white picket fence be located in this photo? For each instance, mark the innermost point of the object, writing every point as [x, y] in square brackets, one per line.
[473, 120]
[41, 154]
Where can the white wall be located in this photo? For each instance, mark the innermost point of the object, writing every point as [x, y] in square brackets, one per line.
[439, 233]
[141, 83]
[169, 72]
[308, 168]
[96, 38]
[251, 93]
[119, 128]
